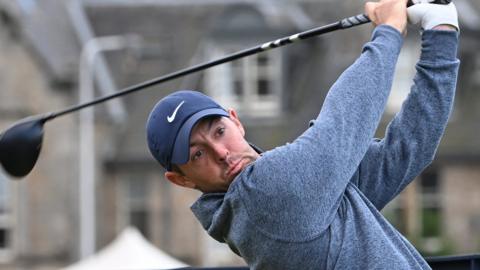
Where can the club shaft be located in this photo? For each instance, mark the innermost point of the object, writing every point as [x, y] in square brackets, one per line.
[237, 55]
[342, 24]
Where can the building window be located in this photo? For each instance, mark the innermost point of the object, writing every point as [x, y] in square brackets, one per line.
[418, 214]
[431, 205]
[135, 206]
[251, 85]
[6, 220]
[431, 218]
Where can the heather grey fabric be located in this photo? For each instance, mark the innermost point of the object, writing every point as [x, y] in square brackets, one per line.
[314, 203]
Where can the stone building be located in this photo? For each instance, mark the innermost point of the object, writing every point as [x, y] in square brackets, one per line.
[276, 94]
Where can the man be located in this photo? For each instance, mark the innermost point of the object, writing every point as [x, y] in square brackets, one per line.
[314, 203]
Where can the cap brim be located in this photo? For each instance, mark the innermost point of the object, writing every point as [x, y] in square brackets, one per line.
[181, 148]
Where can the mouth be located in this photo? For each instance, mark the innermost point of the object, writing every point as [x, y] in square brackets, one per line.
[235, 169]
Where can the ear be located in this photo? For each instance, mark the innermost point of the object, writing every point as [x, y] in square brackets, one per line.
[236, 120]
[179, 179]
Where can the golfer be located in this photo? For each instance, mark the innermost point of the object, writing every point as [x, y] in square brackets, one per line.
[314, 203]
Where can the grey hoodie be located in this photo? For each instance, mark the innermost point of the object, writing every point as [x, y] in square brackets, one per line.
[314, 203]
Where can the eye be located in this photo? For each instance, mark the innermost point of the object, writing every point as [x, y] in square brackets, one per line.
[220, 130]
[198, 154]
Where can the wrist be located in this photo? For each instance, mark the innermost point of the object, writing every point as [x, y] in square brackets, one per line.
[445, 27]
[399, 26]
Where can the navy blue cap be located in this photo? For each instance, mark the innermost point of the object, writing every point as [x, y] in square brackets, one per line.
[171, 121]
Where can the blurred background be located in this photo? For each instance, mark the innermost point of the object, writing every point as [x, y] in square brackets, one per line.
[95, 177]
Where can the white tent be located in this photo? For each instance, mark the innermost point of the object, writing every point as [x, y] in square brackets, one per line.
[129, 251]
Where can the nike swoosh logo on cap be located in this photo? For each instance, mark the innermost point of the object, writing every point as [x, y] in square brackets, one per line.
[172, 117]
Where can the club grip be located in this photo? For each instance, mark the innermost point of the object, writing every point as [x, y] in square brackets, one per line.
[439, 2]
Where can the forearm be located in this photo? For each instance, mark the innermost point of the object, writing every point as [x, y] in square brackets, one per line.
[425, 113]
[353, 108]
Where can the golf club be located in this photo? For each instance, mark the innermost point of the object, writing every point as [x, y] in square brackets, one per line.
[20, 144]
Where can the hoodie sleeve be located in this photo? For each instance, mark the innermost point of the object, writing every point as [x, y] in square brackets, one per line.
[307, 178]
[412, 137]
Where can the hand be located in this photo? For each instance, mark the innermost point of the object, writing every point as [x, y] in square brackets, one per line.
[389, 12]
[433, 16]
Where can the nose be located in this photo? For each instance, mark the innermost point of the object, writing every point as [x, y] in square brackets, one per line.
[220, 152]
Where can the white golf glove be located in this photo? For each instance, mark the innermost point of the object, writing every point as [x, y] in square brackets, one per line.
[431, 15]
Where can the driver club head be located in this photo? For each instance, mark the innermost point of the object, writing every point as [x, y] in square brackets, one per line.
[20, 146]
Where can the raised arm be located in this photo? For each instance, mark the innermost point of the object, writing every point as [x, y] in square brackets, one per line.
[308, 177]
[414, 134]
